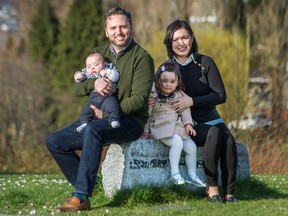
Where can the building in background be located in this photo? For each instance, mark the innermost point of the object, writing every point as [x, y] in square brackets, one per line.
[8, 21]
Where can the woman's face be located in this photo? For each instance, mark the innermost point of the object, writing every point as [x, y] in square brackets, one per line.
[182, 43]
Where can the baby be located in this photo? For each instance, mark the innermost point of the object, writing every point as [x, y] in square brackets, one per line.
[96, 67]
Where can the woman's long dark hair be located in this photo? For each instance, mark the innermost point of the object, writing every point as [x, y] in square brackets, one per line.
[168, 40]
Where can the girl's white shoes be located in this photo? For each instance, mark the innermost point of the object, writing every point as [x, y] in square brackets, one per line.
[195, 181]
[177, 179]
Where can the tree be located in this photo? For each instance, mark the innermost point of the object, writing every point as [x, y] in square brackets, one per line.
[232, 13]
[43, 34]
[270, 50]
[83, 31]
[23, 119]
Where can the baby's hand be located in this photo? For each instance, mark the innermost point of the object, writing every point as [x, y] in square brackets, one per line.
[78, 76]
[103, 73]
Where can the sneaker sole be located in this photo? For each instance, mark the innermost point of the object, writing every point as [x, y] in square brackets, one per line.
[176, 183]
[196, 184]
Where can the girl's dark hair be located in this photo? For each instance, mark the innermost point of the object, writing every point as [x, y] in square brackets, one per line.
[174, 26]
[117, 11]
[168, 66]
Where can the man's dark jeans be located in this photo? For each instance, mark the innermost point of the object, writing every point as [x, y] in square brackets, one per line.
[82, 172]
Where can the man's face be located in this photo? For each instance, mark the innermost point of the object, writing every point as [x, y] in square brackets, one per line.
[118, 31]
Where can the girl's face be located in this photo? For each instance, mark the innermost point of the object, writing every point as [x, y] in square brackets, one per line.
[181, 43]
[168, 82]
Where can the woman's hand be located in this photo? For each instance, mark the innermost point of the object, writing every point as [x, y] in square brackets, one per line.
[98, 112]
[104, 86]
[152, 101]
[180, 104]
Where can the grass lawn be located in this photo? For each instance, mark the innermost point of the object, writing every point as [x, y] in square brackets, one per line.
[40, 194]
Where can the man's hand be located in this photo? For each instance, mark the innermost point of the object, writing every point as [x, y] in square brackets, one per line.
[104, 86]
[98, 112]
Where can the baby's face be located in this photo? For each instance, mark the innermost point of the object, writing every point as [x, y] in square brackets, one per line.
[94, 64]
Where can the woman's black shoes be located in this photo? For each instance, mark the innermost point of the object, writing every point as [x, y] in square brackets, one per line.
[214, 198]
[231, 199]
[217, 197]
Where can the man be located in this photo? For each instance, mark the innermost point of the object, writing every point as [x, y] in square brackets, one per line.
[136, 68]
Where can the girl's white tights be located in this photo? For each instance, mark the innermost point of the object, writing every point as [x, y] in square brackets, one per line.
[177, 144]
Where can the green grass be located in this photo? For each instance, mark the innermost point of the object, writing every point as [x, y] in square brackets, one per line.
[31, 194]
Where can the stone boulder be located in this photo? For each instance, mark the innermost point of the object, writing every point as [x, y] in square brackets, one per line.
[146, 163]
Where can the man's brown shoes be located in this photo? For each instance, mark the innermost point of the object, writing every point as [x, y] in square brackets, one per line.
[73, 204]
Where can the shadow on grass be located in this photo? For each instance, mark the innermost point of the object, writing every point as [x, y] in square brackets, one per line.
[256, 189]
[153, 195]
[249, 189]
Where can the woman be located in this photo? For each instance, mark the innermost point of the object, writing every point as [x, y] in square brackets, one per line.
[204, 89]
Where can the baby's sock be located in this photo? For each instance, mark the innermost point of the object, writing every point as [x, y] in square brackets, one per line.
[115, 124]
[81, 127]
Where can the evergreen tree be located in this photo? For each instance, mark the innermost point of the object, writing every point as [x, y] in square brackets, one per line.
[83, 31]
[43, 34]
[234, 14]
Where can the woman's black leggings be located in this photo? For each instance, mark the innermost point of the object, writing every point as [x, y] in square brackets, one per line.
[218, 144]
